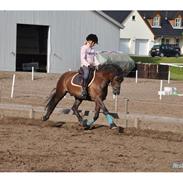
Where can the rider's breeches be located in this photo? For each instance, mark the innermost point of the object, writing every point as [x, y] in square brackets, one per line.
[85, 72]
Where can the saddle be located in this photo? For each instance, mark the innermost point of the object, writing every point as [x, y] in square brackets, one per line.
[77, 79]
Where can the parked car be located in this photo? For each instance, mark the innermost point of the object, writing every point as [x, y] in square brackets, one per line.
[165, 50]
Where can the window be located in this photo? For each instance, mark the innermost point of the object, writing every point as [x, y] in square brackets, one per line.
[178, 22]
[133, 17]
[156, 21]
[167, 41]
[163, 41]
[177, 41]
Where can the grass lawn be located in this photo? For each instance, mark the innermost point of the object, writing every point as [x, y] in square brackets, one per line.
[158, 60]
[176, 73]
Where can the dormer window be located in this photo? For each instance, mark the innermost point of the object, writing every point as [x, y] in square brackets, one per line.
[156, 21]
[178, 22]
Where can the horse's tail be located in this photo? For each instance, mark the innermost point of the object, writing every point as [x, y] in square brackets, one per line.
[52, 101]
[52, 95]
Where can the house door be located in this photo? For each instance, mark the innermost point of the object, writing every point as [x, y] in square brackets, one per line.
[141, 47]
[31, 48]
[124, 45]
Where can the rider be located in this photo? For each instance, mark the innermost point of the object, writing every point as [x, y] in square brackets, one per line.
[88, 60]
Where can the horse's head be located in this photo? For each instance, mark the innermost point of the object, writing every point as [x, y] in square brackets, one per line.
[116, 83]
[115, 76]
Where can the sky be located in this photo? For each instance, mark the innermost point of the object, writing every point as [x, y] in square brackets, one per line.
[91, 5]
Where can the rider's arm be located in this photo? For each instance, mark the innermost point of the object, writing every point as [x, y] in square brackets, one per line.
[83, 57]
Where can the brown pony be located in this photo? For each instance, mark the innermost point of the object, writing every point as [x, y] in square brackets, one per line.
[97, 92]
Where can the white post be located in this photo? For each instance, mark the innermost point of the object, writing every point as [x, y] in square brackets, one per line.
[32, 73]
[126, 111]
[113, 96]
[116, 104]
[13, 84]
[161, 88]
[136, 76]
[169, 76]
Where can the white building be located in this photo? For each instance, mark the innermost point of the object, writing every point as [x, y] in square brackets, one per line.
[143, 29]
[136, 37]
[51, 40]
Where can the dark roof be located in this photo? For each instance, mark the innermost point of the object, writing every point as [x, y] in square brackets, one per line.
[166, 28]
[119, 16]
[169, 14]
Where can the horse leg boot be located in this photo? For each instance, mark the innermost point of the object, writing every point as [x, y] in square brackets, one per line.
[53, 101]
[109, 118]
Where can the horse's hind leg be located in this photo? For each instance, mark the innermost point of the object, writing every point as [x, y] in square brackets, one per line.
[76, 112]
[53, 101]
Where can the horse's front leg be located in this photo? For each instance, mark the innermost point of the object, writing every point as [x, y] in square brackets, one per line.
[109, 118]
[76, 112]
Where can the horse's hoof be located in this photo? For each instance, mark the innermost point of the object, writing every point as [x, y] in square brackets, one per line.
[44, 118]
[85, 125]
[113, 126]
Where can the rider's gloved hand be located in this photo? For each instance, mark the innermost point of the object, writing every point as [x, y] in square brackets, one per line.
[98, 67]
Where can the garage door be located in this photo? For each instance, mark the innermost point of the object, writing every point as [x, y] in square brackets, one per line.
[141, 46]
[124, 45]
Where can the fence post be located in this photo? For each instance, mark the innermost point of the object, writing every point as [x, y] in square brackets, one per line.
[169, 76]
[126, 111]
[32, 73]
[116, 104]
[161, 89]
[136, 76]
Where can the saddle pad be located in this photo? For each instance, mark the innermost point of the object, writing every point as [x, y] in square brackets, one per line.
[77, 79]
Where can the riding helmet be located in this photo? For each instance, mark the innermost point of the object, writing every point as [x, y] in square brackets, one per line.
[92, 37]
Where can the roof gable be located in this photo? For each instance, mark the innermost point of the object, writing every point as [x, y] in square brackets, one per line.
[111, 19]
[119, 16]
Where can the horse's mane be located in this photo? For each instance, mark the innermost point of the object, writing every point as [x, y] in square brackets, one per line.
[110, 68]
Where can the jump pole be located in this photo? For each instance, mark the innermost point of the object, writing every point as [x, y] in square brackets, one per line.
[13, 85]
[32, 73]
